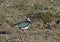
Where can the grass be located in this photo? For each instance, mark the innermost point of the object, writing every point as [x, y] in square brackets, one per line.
[46, 16]
[13, 11]
[57, 15]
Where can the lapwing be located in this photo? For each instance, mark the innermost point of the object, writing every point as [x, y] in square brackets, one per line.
[23, 24]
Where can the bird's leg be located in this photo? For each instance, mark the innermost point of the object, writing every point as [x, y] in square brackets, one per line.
[22, 30]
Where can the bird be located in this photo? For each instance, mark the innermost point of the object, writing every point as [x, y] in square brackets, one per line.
[23, 25]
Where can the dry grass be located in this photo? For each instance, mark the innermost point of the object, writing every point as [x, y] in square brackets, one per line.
[13, 11]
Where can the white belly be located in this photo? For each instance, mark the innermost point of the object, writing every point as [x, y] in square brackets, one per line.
[25, 27]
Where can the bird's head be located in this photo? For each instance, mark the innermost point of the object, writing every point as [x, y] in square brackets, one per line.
[29, 20]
